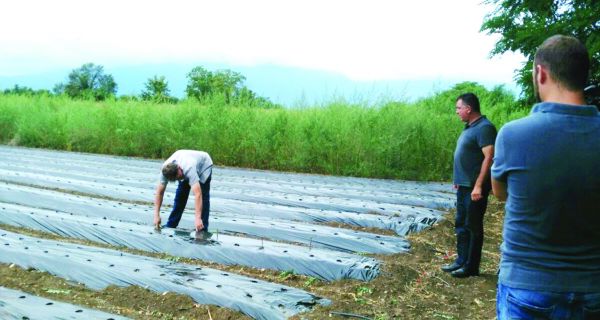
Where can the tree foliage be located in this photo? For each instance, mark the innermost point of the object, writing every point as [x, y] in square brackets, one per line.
[225, 85]
[203, 83]
[525, 24]
[88, 82]
[157, 90]
[23, 90]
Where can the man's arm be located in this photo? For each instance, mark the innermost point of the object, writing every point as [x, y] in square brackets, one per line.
[158, 199]
[488, 154]
[198, 205]
[499, 189]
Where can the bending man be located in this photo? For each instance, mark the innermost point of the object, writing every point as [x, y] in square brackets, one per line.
[193, 170]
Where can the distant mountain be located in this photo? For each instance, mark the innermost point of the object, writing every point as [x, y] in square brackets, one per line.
[284, 85]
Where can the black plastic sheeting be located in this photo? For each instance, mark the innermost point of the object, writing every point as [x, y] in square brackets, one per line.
[332, 238]
[285, 194]
[18, 305]
[221, 248]
[305, 197]
[134, 170]
[98, 268]
[402, 221]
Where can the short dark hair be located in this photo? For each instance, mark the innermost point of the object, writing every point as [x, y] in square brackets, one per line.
[169, 171]
[567, 60]
[471, 100]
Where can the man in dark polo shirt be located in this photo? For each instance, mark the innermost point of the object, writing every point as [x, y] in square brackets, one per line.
[472, 161]
[547, 167]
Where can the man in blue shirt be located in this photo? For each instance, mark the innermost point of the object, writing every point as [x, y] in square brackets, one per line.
[547, 167]
[472, 161]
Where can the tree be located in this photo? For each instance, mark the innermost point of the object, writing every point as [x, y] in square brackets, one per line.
[525, 24]
[157, 90]
[228, 83]
[203, 83]
[199, 83]
[88, 81]
[249, 98]
[23, 90]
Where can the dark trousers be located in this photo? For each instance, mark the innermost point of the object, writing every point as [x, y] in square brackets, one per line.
[469, 228]
[181, 197]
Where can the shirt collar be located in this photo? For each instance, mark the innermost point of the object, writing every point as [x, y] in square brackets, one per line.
[474, 123]
[576, 110]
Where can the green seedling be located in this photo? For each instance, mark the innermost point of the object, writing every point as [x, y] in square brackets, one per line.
[310, 281]
[361, 291]
[173, 259]
[57, 291]
[285, 275]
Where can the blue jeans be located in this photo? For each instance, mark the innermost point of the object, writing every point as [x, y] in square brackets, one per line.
[469, 228]
[181, 197]
[514, 303]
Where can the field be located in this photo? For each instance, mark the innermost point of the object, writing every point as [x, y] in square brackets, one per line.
[77, 227]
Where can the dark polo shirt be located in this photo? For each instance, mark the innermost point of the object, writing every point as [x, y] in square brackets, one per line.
[550, 162]
[468, 156]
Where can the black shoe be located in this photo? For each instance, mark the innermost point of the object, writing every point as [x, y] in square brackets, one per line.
[463, 273]
[451, 267]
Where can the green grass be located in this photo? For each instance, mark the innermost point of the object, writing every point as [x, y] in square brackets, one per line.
[393, 140]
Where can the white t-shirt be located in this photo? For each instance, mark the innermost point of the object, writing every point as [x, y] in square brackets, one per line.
[196, 165]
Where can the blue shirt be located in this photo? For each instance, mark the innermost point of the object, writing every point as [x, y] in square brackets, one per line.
[550, 161]
[468, 156]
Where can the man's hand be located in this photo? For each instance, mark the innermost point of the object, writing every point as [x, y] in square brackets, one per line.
[476, 194]
[157, 221]
[199, 224]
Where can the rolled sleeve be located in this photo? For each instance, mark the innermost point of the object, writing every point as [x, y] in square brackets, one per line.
[487, 137]
[163, 180]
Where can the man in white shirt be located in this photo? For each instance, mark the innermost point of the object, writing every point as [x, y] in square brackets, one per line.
[193, 170]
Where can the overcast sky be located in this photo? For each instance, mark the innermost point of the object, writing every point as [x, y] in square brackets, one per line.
[375, 40]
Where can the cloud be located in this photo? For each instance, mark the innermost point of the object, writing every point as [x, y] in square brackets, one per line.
[374, 40]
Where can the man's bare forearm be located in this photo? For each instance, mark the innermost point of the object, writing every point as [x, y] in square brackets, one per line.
[197, 200]
[198, 205]
[484, 174]
[158, 199]
[157, 204]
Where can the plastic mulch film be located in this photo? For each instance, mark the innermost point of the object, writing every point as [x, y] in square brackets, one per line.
[137, 167]
[311, 235]
[98, 268]
[320, 197]
[401, 223]
[18, 305]
[221, 248]
[136, 176]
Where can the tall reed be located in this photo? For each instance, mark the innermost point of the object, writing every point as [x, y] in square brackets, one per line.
[393, 140]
